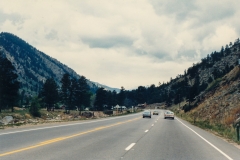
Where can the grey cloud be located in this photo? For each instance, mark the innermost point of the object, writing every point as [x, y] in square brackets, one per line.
[214, 15]
[187, 10]
[238, 31]
[15, 18]
[52, 35]
[187, 53]
[162, 55]
[140, 52]
[107, 42]
[180, 9]
[192, 54]
[159, 55]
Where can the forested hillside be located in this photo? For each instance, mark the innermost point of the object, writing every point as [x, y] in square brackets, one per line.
[196, 81]
[33, 67]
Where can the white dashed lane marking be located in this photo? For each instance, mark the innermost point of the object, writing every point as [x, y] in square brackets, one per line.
[130, 146]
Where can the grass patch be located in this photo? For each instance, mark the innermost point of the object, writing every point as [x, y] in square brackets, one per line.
[17, 113]
[221, 130]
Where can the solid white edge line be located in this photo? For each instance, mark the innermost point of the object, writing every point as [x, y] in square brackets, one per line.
[64, 125]
[130, 146]
[206, 141]
[146, 131]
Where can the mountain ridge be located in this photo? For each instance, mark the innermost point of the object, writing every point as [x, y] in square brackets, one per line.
[33, 67]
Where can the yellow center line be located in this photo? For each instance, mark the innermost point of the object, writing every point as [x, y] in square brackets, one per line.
[99, 128]
[53, 140]
[63, 138]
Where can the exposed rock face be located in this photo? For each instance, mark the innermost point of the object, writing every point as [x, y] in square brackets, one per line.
[6, 120]
[221, 105]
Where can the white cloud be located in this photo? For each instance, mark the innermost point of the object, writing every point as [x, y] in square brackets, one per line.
[124, 43]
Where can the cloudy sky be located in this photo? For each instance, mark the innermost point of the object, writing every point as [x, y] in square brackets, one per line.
[124, 42]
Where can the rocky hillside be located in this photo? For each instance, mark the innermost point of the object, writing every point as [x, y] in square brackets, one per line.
[213, 87]
[220, 103]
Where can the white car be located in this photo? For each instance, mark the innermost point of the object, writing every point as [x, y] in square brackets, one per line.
[147, 114]
[168, 114]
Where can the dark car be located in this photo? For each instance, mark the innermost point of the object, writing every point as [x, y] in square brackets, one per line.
[147, 114]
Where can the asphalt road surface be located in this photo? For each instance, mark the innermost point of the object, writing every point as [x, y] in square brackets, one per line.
[128, 137]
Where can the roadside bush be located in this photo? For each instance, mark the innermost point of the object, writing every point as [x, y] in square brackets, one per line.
[187, 108]
[108, 112]
[34, 109]
[87, 114]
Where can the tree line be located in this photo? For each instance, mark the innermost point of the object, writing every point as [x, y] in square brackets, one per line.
[73, 93]
[76, 94]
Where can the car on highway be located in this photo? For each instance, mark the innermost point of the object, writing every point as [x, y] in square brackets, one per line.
[168, 114]
[147, 113]
[155, 112]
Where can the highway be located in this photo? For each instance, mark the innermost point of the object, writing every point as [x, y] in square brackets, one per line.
[128, 137]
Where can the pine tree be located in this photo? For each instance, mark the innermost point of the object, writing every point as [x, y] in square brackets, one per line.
[9, 84]
[65, 89]
[121, 96]
[35, 107]
[140, 95]
[49, 93]
[83, 93]
[101, 99]
[113, 98]
[73, 94]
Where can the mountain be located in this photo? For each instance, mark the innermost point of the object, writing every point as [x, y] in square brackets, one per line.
[106, 87]
[197, 81]
[213, 88]
[33, 67]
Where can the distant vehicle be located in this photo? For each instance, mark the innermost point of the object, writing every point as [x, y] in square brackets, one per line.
[147, 114]
[155, 112]
[168, 114]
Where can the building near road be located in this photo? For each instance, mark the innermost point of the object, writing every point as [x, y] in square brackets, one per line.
[117, 107]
